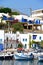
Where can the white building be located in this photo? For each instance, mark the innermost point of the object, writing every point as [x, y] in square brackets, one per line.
[37, 14]
[23, 38]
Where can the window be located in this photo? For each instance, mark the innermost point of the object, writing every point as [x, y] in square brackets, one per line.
[40, 37]
[17, 40]
[23, 39]
[42, 11]
[25, 45]
[34, 36]
[30, 27]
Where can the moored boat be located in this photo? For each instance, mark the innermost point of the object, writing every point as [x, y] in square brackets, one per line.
[37, 54]
[23, 56]
[6, 56]
[40, 58]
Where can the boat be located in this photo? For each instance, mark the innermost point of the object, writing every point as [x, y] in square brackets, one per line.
[1, 57]
[37, 53]
[6, 56]
[23, 56]
[40, 58]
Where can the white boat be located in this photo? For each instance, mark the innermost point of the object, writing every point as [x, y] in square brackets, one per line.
[40, 58]
[6, 56]
[37, 53]
[23, 56]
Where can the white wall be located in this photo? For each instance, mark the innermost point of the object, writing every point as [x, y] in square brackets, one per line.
[10, 36]
[2, 36]
[24, 38]
[20, 38]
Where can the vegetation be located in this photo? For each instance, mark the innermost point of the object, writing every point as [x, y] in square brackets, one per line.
[34, 42]
[20, 45]
[30, 41]
[8, 10]
[18, 27]
[41, 43]
[5, 10]
[14, 13]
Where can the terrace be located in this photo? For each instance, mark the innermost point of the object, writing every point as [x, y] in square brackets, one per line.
[37, 28]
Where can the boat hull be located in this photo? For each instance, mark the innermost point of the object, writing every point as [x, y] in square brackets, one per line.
[1, 58]
[23, 57]
[6, 57]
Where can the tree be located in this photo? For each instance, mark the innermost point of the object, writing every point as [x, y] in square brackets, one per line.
[5, 10]
[18, 27]
[34, 42]
[20, 45]
[2, 24]
[8, 10]
[41, 43]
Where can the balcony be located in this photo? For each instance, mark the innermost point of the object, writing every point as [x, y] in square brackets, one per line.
[37, 28]
[30, 31]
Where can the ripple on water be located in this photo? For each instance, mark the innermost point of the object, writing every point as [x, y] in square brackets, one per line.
[15, 62]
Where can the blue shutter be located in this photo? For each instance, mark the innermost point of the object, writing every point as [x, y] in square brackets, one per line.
[4, 18]
[1, 47]
[34, 36]
[24, 20]
[37, 21]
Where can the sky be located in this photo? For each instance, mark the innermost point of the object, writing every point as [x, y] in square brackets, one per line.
[22, 5]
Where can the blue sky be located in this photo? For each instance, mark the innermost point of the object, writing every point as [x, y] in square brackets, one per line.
[22, 5]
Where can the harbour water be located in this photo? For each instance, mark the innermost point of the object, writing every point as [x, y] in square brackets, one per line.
[15, 62]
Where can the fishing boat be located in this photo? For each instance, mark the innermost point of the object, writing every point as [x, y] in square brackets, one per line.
[23, 56]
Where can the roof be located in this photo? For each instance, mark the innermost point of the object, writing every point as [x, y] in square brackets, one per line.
[37, 10]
